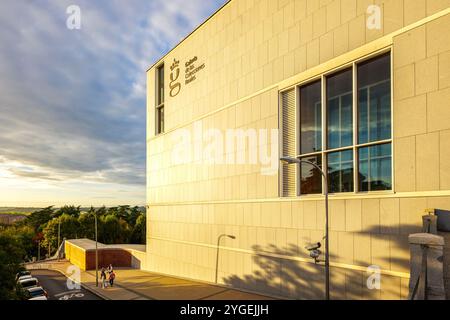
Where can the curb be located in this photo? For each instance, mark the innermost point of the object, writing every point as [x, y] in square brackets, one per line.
[84, 286]
[95, 292]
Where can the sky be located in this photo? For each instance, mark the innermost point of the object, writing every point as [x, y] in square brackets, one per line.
[72, 102]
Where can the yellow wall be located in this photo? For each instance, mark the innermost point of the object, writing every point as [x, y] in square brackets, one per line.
[252, 50]
[75, 255]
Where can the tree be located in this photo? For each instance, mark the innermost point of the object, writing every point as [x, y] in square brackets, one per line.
[102, 211]
[11, 254]
[134, 214]
[70, 229]
[24, 236]
[68, 210]
[111, 229]
[87, 224]
[138, 235]
[39, 218]
[114, 230]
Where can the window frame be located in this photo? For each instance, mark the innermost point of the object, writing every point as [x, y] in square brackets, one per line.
[159, 107]
[356, 145]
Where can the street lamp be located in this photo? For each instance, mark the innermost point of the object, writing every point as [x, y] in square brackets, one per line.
[96, 252]
[59, 236]
[218, 245]
[290, 160]
[39, 250]
[96, 249]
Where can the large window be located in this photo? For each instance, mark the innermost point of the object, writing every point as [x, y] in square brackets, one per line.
[159, 99]
[311, 137]
[344, 125]
[339, 110]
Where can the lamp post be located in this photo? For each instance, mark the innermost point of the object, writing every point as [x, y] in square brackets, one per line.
[59, 236]
[290, 160]
[96, 252]
[96, 247]
[218, 245]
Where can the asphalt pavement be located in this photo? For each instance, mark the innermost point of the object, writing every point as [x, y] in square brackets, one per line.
[56, 285]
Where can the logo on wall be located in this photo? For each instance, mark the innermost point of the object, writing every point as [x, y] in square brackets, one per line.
[174, 85]
[191, 69]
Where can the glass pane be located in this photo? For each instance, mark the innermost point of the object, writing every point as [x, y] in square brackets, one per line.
[311, 177]
[340, 171]
[340, 110]
[375, 168]
[160, 120]
[374, 100]
[160, 85]
[310, 118]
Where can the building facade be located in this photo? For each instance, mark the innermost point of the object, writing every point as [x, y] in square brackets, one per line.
[358, 87]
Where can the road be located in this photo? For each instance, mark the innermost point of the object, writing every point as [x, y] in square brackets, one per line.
[56, 285]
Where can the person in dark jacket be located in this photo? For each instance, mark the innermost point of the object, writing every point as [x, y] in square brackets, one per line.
[103, 278]
[112, 277]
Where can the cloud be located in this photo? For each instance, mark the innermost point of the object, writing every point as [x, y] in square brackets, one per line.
[72, 103]
[33, 174]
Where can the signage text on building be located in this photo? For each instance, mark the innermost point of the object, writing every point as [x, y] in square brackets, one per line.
[191, 70]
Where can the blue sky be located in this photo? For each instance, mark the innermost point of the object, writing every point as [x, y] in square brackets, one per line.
[72, 102]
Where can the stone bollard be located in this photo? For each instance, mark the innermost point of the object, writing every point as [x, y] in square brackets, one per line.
[426, 259]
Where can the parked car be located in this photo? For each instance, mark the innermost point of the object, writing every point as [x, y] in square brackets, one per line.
[22, 273]
[39, 298]
[24, 278]
[29, 283]
[36, 292]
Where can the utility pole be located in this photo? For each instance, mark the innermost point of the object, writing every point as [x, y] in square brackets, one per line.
[96, 251]
[290, 160]
[59, 235]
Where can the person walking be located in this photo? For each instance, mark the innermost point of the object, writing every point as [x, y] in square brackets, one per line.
[103, 278]
[112, 277]
[110, 269]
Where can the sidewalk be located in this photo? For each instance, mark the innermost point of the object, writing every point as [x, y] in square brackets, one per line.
[133, 284]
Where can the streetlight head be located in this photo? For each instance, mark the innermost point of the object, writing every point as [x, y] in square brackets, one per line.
[289, 160]
[231, 237]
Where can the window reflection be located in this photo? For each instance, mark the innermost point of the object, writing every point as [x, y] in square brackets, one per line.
[311, 178]
[160, 122]
[374, 100]
[375, 168]
[339, 110]
[340, 171]
[160, 84]
[371, 92]
[311, 118]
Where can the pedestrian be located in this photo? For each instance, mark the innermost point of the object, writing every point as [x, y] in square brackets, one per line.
[110, 269]
[112, 277]
[103, 278]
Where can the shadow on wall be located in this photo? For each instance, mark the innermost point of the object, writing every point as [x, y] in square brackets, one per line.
[387, 248]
